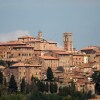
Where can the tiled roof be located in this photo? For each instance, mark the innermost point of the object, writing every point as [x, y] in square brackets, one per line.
[52, 42]
[12, 43]
[25, 37]
[26, 46]
[90, 48]
[48, 57]
[2, 67]
[20, 64]
[62, 52]
[97, 53]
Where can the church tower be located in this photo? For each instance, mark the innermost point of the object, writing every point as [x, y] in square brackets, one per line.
[40, 35]
[67, 40]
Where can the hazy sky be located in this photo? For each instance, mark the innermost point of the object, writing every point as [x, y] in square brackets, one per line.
[52, 17]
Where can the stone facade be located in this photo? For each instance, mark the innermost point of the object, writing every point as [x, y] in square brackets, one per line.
[67, 39]
[33, 55]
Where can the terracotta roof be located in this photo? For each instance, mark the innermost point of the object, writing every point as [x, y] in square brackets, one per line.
[62, 52]
[90, 48]
[12, 43]
[48, 57]
[80, 54]
[26, 46]
[35, 40]
[2, 67]
[97, 53]
[52, 42]
[25, 37]
[20, 64]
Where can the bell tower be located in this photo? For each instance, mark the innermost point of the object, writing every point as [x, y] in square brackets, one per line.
[67, 41]
[40, 34]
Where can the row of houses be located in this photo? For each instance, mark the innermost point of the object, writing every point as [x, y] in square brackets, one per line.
[33, 55]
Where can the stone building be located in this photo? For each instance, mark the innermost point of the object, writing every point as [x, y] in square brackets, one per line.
[67, 40]
[91, 51]
[65, 58]
[21, 70]
[80, 58]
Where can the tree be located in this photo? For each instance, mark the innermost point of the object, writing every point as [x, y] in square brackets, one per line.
[96, 80]
[23, 85]
[5, 82]
[41, 86]
[46, 87]
[34, 88]
[1, 77]
[49, 74]
[12, 84]
[53, 87]
[3, 63]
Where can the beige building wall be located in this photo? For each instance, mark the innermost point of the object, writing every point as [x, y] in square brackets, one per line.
[22, 53]
[67, 39]
[49, 62]
[65, 58]
[79, 59]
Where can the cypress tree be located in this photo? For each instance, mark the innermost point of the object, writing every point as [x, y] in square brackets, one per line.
[12, 85]
[49, 74]
[41, 86]
[1, 77]
[51, 87]
[22, 85]
[55, 87]
[46, 87]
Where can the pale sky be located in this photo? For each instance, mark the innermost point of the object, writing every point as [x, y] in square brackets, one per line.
[52, 17]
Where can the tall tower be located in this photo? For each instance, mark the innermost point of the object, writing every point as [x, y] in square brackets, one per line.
[67, 40]
[40, 35]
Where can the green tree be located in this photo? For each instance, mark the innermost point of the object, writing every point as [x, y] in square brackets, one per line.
[96, 79]
[1, 77]
[34, 87]
[49, 74]
[53, 87]
[46, 87]
[3, 63]
[5, 83]
[23, 85]
[41, 86]
[12, 84]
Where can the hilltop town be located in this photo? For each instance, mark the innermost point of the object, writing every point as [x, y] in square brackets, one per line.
[31, 55]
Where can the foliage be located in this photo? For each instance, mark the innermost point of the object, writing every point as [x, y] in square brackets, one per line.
[41, 86]
[46, 87]
[23, 85]
[13, 97]
[1, 77]
[3, 63]
[49, 74]
[53, 87]
[34, 88]
[96, 79]
[12, 85]
[3, 90]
